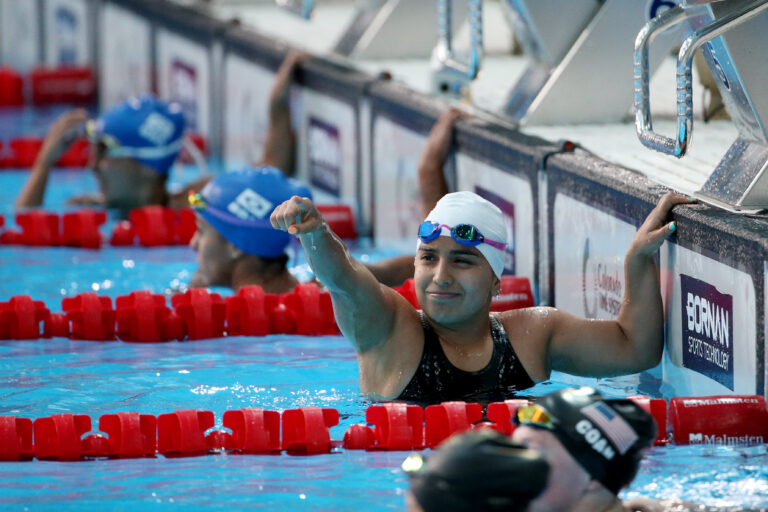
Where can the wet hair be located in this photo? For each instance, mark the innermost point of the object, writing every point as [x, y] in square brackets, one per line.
[479, 470]
[605, 436]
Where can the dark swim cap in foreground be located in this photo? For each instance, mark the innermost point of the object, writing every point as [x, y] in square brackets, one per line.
[606, 436]
[478, 470]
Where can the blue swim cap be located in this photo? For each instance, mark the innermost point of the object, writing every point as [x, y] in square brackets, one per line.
[146, 129]
[238, 204]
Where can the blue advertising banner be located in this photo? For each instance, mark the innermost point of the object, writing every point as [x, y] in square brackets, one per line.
[324, 156]
[508, 210]
[707, 317]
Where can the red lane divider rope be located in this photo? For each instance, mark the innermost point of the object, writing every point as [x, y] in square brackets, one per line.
[150, 226]
[714, 420]
[142, 316]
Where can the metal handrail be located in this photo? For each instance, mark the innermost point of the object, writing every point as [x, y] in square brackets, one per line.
[643, 122]
[445, 38]
[301, 7]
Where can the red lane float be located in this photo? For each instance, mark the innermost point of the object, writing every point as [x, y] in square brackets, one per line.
[202, 313]
[91, 316]
[398, 426]
[38, 228]
[153, 225]
[58, 437]
[732, 420]
[81, 228]
[144, 317]
[16, 439]
[67, 84]
[656, 407]
[11, 88]
[712, 420]
[130, 434]
[448, 418]
[358, 437]
[182, 433]
[246, 313]
[254, 430]
[20, 318]
[306, 430]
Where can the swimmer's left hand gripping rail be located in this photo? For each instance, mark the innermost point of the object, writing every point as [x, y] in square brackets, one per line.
[643, 121]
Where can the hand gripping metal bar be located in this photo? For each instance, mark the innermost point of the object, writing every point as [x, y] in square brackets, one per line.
[643, 121]
[301, 7]
[445, 38]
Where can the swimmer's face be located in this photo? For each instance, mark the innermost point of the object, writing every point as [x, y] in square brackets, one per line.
[567, 480]
[126, 184]
[453, 282]
[215, 256]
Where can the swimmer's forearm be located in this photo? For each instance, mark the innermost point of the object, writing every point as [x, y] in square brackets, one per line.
[33, 192]
[642, 312]
[329, 258]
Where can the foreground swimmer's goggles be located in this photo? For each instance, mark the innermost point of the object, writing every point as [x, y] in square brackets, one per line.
[465, 234]
[196, 201]
[534, 415]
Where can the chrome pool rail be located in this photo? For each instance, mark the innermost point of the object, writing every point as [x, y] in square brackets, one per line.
[643, 122]
[444, 50]
[302, 8]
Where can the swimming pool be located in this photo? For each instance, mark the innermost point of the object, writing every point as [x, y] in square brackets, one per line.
[45, 377]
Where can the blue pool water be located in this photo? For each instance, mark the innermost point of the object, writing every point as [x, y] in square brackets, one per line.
[44, 377]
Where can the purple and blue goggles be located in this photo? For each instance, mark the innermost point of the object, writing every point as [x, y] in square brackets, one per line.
[465, 234]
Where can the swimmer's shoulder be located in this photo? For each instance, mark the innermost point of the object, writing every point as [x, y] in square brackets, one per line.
[528, 331]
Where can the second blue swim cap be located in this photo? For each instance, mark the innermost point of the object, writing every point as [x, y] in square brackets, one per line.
[238, 204]
[146, 129]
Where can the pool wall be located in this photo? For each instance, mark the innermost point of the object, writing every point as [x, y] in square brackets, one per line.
[572, 215]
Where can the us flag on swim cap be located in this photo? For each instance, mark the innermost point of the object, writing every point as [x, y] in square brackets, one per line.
[612, 424]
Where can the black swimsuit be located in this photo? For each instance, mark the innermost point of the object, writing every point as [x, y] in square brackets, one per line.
[437, 380]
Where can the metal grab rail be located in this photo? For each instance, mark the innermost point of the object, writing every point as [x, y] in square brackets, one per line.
[301, 7]
[445, 38]
[643, 121]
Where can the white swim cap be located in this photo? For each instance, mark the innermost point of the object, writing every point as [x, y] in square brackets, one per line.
[469, 208]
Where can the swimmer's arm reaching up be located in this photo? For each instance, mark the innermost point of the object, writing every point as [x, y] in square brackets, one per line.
[57, 140]
[280, 145]
[635, 341]
[384, 328]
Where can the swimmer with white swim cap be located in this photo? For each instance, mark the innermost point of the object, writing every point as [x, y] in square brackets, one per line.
[454, 349]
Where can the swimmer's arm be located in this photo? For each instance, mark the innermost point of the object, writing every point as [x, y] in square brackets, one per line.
[432, 184]
[280, 145]
[635, 341]
[55, 143]
[365, 310]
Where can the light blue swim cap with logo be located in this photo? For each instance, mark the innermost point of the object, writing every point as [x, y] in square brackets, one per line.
[149, 130]
[238, 204]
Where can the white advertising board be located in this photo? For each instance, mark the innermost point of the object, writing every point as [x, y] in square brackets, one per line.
[246, 110]
[327, 144]
[19, 34]
[590, 245]
[711, 325]
[396, 199]
[183, 75]
[513, 195]
[125, 62]
[67, 33]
